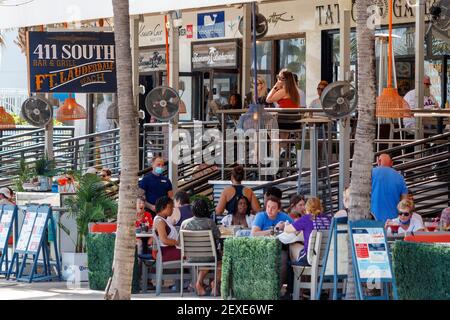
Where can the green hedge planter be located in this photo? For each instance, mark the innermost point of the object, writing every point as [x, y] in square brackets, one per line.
[251, 269]
[422, 271]
[100, 250]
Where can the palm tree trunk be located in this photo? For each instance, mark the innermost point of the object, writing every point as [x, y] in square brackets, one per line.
[361, 180]
[129, 133]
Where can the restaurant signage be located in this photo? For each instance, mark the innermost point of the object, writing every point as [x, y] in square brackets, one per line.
[152, 59]
[215, 55]
[71, 62]
[211, 25]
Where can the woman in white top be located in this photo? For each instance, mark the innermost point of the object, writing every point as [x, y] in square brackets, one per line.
[407, 220]
[165, 231]
[241, 214]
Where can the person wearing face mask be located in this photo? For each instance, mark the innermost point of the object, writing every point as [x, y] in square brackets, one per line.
[155, 185]
[407, 220]
[429, 102]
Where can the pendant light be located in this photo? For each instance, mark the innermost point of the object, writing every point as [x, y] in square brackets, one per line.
[6, 120]
[70, 110]
[390, 104]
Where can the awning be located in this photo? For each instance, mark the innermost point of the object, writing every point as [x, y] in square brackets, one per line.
[24, 13]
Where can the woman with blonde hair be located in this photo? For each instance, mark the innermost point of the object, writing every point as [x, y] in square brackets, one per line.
[314, 219]
[407, 220]
[262, 92]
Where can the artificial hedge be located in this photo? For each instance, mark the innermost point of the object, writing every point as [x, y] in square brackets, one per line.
[422, 270]
[100, 250]
[251, 268]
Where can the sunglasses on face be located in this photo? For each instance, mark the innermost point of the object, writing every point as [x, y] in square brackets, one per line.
[281, 78]
[427, 84]
[320, 88]
[406, 214]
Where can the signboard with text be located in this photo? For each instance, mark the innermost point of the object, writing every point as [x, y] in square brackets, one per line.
[211, 25]
[5, 226]
[81, 62]
[153, 59]
[25, 233]
[371, 253]
[215, 55]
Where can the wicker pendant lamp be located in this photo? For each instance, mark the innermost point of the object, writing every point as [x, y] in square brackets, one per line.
[390, 104]
[70, 110]
[6, 120]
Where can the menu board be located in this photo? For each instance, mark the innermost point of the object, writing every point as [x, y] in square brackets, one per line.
[371, 253]
[38, 230]
[5, 226]
[27, 228]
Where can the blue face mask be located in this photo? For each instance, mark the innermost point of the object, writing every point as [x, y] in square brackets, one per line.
[405, 222]
[159, 170]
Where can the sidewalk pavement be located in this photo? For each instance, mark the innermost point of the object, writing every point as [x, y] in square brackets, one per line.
[13, 290]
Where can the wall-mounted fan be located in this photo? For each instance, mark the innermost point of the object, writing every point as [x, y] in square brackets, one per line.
[440, 15]
[262, 26]
[339, 99]
[37, 111]
[163, 103]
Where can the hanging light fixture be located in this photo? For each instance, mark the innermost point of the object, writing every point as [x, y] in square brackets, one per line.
[6, 120]
[390, 104]
[70, 110]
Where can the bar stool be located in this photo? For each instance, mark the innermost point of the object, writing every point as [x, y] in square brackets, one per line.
[313, 125]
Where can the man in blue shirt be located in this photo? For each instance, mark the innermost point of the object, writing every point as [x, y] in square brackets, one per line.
[388, 188]
[155, 185]
[272, 217]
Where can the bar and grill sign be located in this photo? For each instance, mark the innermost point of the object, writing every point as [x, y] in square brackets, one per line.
[71, 62]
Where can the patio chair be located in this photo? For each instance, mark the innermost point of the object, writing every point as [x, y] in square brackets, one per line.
[316, 249]
[157, 268]
[198, 244]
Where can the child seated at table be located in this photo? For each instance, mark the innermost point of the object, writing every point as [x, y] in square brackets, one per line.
[144, 222]
[241, 215]
[165, 231]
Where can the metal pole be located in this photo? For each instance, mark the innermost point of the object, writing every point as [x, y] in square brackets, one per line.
[420, 58]
[246, 49]
[344, 124]
[174, 68]
[255, 62]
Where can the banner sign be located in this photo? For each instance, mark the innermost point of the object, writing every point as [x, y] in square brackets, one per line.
[371, 253]
[211, 25]
[215, 55]
[152, 59]
[81, 62]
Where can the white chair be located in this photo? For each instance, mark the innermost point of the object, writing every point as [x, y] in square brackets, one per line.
[198, 244]
[159, 267]
[316, 250]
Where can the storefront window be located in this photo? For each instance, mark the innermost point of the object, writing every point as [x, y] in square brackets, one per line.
[264, 52]
[292, 53]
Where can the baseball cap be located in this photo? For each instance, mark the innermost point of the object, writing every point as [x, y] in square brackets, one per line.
[91, 170]
[6, 192]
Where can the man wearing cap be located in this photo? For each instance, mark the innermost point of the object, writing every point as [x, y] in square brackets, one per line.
[429, 102]
[6, 196]
[388, 188]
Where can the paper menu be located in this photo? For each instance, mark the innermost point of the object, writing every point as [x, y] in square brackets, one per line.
[25, 233]
[5, 225]
[38, 230]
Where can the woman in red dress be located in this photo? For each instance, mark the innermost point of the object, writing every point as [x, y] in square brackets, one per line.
[285, 91]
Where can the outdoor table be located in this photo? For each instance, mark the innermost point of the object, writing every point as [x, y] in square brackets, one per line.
[144, 236]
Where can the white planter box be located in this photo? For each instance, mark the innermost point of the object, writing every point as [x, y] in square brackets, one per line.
[75, 267]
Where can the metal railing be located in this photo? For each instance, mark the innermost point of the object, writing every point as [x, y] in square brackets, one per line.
[12, 99]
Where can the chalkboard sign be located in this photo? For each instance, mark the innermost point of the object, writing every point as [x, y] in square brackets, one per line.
[27, 228]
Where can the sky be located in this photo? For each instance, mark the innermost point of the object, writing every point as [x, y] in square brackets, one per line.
[13, 65]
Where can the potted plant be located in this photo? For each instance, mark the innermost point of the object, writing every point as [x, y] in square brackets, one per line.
[89, 204]
[44, 170]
